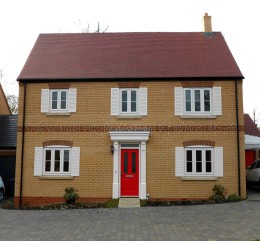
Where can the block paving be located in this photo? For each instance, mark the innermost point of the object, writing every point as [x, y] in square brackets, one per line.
[220, 222]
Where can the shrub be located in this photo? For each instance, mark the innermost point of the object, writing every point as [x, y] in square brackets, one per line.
[233, 198]
[218, 194]
[71, 195]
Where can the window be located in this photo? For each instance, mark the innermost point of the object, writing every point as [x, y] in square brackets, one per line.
[199, 161]
[198, 102]
[58, 100]
[56, 161]
[129, 102]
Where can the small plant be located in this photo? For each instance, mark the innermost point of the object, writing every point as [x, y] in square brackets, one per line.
[70, 195]
[218, 194]
[233, 198]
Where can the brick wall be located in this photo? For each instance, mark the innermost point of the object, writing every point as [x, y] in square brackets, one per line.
[88, 128]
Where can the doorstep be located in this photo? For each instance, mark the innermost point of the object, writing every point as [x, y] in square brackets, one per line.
[129, 203]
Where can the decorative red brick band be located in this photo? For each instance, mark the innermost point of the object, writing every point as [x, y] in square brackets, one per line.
[59, 85]
[128, 85]
[57, 143]
[199, 143]
[193, 84]
[126, 128]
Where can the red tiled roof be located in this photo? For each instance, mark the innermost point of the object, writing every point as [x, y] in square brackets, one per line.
[130, 55]
[250, 127]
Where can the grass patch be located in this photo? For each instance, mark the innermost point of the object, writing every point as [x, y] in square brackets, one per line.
[113, 203]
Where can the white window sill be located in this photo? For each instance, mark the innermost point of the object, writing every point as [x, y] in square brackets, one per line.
[57, 113]
[199, 178]
[123, 116]
[56, 178]
[198, 116]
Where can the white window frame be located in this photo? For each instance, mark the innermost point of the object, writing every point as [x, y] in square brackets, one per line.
[46, 101]
[39, 162]
[194, 171]
[141, 103]
[129, 101]
[52, 171]
[202, 101]
[59, 91]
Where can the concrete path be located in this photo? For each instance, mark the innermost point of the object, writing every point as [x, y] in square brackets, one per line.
[129, 203]
[220, 222]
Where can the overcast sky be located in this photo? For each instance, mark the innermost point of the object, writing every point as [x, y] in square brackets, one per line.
[21, 21]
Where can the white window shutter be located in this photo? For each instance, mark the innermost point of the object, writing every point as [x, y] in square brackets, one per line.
[178, 97]
[218, 160]
[38, 161]
[143, 101]
[45, 100]
[75, 161]
[72, 100]
[179, 161]
[114, 101]
[217, 101]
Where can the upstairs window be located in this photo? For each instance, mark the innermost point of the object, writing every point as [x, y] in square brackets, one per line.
[130, 102]
[58, 101]
[198, 102]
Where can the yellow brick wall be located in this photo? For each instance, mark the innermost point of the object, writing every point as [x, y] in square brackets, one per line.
[96, 162]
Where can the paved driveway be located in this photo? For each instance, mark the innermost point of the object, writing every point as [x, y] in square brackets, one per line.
[233, 221]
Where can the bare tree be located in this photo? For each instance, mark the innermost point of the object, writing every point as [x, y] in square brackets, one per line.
[256, 116]
[86, 29]
[12, 101]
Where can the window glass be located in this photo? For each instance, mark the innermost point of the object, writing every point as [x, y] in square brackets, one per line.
[133, 101]
[208, 161]
[133, 162]
[125, 162]
[188, 100]
[124, 101]
[54, 102]
[197, 100]
[47, 160]
[206, 100]
[63, 100]
[188, 161]
[57, 161]
[199, 161]
[66, 161]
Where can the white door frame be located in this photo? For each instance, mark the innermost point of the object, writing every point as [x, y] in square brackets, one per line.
[119, 137]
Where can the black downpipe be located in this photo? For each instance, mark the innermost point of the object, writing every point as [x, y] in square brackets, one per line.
[238, 138]
[22, 155]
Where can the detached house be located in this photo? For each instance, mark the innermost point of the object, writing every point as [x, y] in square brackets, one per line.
[148, 115]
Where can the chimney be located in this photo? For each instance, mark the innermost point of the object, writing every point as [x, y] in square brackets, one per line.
[207, 23]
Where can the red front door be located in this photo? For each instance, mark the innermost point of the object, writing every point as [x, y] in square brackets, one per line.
[129, 172]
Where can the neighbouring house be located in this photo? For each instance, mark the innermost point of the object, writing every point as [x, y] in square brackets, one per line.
[148, 115]
[8, 136]
[252, 141]
[4, 107]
